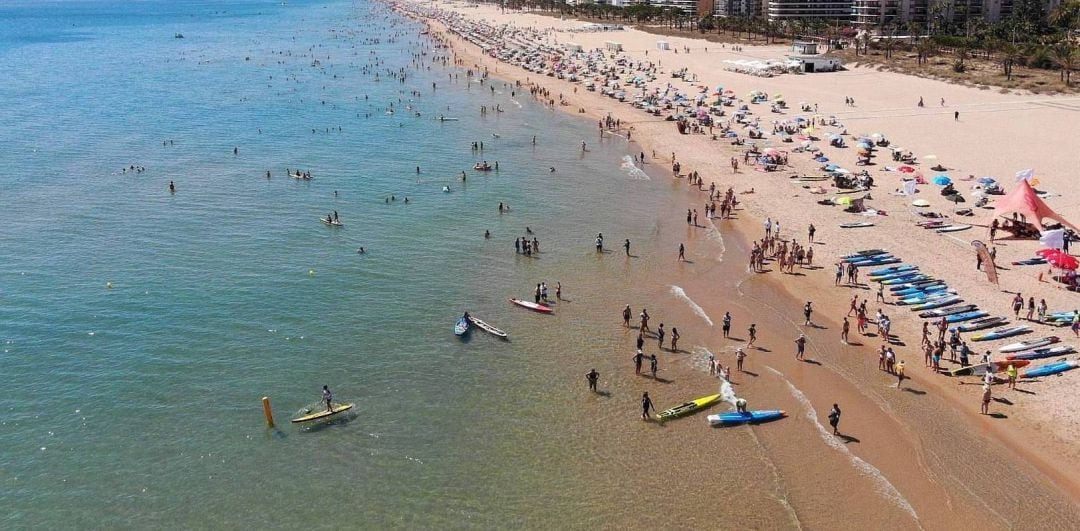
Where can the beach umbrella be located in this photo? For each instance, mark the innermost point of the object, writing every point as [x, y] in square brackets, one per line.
[905, 169]
[986, 180]
[942, 180]
[1058, 258]
[920, 203]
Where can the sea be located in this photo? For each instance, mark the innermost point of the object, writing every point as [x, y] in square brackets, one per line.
[140, 328]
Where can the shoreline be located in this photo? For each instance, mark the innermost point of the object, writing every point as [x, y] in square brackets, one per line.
[649, 134]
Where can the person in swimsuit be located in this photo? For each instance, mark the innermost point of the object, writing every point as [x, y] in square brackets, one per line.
[834, 419]
[593, 377]
[638, 358]
[753, 334]
[646, 405]
[626, 314]
[653, 365]
[327, 397]
[727, 323]
[800, 347]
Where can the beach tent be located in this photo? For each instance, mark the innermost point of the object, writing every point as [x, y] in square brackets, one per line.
[1023, 200]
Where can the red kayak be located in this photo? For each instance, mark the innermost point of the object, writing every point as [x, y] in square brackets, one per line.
[542, 308]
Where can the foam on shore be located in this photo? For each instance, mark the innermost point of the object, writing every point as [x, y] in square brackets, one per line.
[681, 295]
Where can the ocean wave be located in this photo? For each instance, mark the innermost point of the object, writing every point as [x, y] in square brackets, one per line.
[713, 234]
[632, 170]
[885, 487]
[680, 294]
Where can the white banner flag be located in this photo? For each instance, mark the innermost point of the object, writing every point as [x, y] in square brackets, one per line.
[1024, 175]
[1054, 239]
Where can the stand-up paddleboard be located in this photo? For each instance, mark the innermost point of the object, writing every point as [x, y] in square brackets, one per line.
[1040, 353]
[542, 308]
[487, 327]
[863, 254]
[857, 225]
[318, 415]
[892, 269]
[966, 316]
[945, 312]
[910, 277]
[982, 324]
[925, 290]
[687, 408]
[332, 223]
[1028, 345]
[1002, 333]
[937, 303]
[1053, 368]
[461, 327]
[953, 228]
[981, 368]
[735, 418]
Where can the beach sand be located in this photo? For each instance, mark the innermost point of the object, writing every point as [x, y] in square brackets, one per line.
[938, 447]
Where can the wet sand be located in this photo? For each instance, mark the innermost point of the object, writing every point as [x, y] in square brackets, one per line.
[918, 456]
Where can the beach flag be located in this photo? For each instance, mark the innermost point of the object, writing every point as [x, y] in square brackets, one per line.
[1024, 175]
[987, 261]
[1054, 239]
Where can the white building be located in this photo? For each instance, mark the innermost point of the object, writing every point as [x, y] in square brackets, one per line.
[777, 10]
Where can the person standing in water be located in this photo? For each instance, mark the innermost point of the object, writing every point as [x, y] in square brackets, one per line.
[727, 323]
[682, 253]
[646, 405]
[593, 377]
[834, 419]
[172, 189]
[327, 397]
[639, 357]
[626, 246]
[800, 347]
[660, 336]
[674, 339]
[626, 314]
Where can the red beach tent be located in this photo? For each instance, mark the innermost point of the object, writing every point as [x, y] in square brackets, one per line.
[1024, 201]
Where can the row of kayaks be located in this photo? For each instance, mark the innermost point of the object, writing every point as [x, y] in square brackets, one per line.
[933, 299]
[730, 418]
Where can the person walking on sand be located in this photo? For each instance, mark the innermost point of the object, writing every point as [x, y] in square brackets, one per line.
[834, 419]
[1010, 372]
[854, 305]
[844, 331]
[653, 365]
[674, 339]
[644, 327]
[593, 377]
[810, 231]
[800, 347]
[899, 373]
[626, 314]
[1030, 308]
[660, 336]
[682, 253]
[807, 310]
[752, 331]
[986, 396]
[727, 324]
[1017, 304]
[639, 357]
[740, 355]
[646, 405]
[640, 340]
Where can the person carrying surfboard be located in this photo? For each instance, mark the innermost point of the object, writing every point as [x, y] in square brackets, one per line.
[327, 397]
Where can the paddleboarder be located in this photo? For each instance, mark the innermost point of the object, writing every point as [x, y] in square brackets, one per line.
[327, 397]
[593, 377]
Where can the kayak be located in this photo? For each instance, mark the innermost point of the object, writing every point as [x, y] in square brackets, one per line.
[334, 223]
[966, 316]
[1001, 333]
[944, 312]
[687, 408]
[542, 308]
[899, 274]
[1053, 368]
[980, 369]
[1028, 345]
[487, 328]
[1040, 353]
[915, 290]
[922, 298]
[916, 284]
[734, 418]
[461, 327]
[903, 279]
[336, 409]
[883, 261]
[937, 303]
[863, 254]
[892, 269]
[982, 324]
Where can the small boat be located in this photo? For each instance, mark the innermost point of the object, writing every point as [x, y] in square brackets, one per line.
[461, 327]
[981, 368]
[735, 418]
[542, 308]
[487, 328]
[1040, 353]
[335, 410]
[1028, 345]
[856, 225]
[447, 119]
[1002, 333]
[982, 324]
[1050, 369]
[937, 303]
[952, 228]
[687, 407]
[966, 316]
[332, 222]
[944, 312]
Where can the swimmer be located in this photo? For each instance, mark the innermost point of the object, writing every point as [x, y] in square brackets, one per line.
[360, 251]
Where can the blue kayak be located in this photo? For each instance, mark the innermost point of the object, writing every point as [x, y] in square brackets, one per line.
[916, 284]
[733, 418]
[904, 279]
[966, 316]
[1053, 368]
[932, 288]
[899, 274]
[920, 298]
[461, 327]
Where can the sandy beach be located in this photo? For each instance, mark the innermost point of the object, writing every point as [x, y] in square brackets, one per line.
[974, 132]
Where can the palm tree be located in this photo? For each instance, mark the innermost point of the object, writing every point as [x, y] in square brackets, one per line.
[925, 49]
[1009, 54]
[1066, 58]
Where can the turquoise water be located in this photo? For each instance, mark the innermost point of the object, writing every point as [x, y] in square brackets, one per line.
[137, 405]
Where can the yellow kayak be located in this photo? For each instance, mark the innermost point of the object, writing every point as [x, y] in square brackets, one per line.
[322, 414]
[687, 408]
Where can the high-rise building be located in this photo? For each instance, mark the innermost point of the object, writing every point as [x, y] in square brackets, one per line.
[819, 9]
[688, 7]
